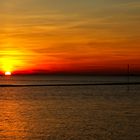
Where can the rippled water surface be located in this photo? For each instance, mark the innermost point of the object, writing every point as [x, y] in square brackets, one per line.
[69, 113]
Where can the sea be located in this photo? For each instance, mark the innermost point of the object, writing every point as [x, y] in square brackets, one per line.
[69, 108]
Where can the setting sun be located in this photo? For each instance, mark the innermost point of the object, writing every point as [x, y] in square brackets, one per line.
[7, 73]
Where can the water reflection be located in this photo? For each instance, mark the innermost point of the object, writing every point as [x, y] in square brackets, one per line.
[21, 116]
[12, 124]
[69, 113]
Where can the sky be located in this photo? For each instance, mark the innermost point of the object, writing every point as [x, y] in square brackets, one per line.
[69, 36]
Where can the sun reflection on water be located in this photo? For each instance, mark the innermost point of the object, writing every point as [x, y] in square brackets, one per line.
[12, 124]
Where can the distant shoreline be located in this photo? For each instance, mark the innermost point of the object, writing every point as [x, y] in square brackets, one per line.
[94, 84]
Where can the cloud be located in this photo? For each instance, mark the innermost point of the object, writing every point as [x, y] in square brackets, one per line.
[75, 33]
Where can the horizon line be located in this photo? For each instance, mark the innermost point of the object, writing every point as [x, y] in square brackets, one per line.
[94, 84]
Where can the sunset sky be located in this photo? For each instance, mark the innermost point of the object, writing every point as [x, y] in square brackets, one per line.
[69, 36]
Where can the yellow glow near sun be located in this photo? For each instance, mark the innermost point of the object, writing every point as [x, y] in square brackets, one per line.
[11, 60]
[9, 63]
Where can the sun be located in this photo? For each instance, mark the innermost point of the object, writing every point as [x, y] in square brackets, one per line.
[8, 73]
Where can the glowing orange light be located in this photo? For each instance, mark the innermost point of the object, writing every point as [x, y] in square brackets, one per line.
[11, 60]
[7, 73]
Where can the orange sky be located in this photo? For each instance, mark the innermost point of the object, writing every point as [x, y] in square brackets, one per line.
[69, 36]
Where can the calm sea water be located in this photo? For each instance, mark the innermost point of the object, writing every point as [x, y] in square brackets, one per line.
[110, 112]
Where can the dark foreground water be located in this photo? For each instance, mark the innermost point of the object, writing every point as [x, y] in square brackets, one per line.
[110, 112]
